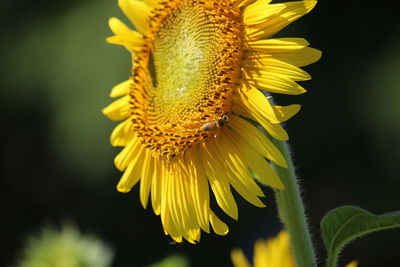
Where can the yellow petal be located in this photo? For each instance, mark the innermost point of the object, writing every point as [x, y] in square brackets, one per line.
[260, 11]
[121, 89]
[138, 13]
[272, 67]
[237, 162]
[152, 3]
[299, 58]
[275, 130]
[257, 140]
[188, 217]
[291, 12]
[180, 205]
[262, 171]
[237, 172]
[118, 110]
[241, 3]
[219, 184]
[170, 227]
[170, 208]
[199, 190]
[186, 204]
[239, 108]
[263, 256]
[352, 264]
[220, 228]
[177, 239]
[119, 28]
[274, 84]
[147, 177]
[303, 57]
[131, 42]
[277, 45]
[193, 217]
[257, 103]
[194, 235]
[164, 209]
[173, 204]
[132, 174]
[129, 153]
[156, 187]
[122, 134]
[239, 259]
[286, 112]
[278, 250]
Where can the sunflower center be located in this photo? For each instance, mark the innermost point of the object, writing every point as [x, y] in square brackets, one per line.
[186, 73]
[182, 60]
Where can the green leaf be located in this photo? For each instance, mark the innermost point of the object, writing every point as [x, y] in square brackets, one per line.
[344, 224]
[172, 261]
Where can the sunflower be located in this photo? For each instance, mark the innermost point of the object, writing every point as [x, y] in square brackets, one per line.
[200, 69]
[274, 252]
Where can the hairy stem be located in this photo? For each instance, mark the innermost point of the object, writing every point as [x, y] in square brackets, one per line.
[291, 212]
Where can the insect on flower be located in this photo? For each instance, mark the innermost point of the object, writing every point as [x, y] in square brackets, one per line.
[215, 124]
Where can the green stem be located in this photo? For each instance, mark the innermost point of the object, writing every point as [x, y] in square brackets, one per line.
[332, 260]
[291, 212]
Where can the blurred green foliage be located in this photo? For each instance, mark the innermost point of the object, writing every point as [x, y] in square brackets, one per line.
[65, 248]
[381, 99]
[171, 261]
[70, 63]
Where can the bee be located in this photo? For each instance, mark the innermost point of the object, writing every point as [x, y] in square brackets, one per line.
[215, 124]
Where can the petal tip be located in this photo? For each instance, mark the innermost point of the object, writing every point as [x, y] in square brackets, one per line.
[310, 4]
[123, 189]
[105, 111]
[111, 21]
[318, 54]
[109, 40]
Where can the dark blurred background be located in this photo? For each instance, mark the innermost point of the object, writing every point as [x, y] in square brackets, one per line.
[57, 163]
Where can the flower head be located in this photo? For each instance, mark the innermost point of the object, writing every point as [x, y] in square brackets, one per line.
[273, 252]
[198, 68]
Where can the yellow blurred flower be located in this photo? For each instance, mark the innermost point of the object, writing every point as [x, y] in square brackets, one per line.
[198, 68]
[273, 252]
